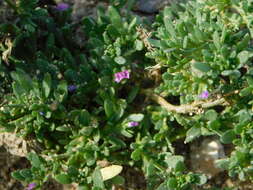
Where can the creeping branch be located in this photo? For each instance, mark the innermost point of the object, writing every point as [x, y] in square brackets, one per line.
[195, 107]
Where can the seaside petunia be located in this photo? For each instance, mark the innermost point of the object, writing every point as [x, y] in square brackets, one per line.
[62, 6]
[72, 88]
[31, 186]
[41, 113]
[133, 124]
[204, 94]
[121, 75]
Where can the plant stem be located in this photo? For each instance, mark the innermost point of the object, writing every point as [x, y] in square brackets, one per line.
[194, 107]
[157, 166]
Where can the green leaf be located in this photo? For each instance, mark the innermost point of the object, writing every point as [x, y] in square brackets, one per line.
[228, 137]
[185, 42]
[63, 179]
[241, 156]
[180, 167]
[168, 23]
[88, 24]
[84, 117]
[83, 187]
[232, 73]
[246, 91]
[136, 117]
[244, 43]
[222, 163]
[155, 43]
[172, 161]
[136, 154]
[112, 31]
[22, 79]
[216, 40]
[109, 108]
[172, 183]
[61, 91]
[17, 90]
[250, 81]
[239, 128]
[133, 93]
[73, 114]
[97, 188]
[126, 133]
[244, 56]
[34, 159]
[63, 128]
[120, 60]
[244, 115]
[203, 67]
[192, 133]
[46, 84]
[138, 45]
[199, 34]
[149, 168]
[26, 173]
[202, 179]
[241, 175]
[105, 81]
[18, 176]
[9, 28]
[118, 180]
[115, 17]
[162, 186]
[97, 179]
[211, 115]
[73, 171]
[214, 124]
[132, 24]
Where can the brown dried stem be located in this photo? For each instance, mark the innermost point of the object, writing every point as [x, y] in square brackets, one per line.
[195, 107]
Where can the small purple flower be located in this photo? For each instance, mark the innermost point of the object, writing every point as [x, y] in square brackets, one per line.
[126, 74]
[133, 124]
[204, 94]
[41, 113]
[31, 186]
[72, 88]
[121, 75]
[62, 6]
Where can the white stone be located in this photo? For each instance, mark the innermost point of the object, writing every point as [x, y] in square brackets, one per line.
[204, 155]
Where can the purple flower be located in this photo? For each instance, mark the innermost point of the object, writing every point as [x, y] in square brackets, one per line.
[204, 94]
[133, 124]
[41, 113]
[31, 186]
[62, 6]
[72, 88]
[121, 75]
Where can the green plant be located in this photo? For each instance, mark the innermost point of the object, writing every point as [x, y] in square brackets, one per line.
[128, 92]
[74, 125]
[205, 51]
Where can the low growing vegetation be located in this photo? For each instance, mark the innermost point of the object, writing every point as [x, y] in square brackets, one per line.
[128, 92]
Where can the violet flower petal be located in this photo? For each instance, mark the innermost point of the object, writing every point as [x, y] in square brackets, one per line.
[126, 74]
[41, 113]
[118, 77]
[121, 75]
[72, 88]
[204, 94]
[133, 124]
[62, 6]
[31, 186]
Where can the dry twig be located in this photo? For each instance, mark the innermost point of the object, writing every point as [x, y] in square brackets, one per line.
[195, 107]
